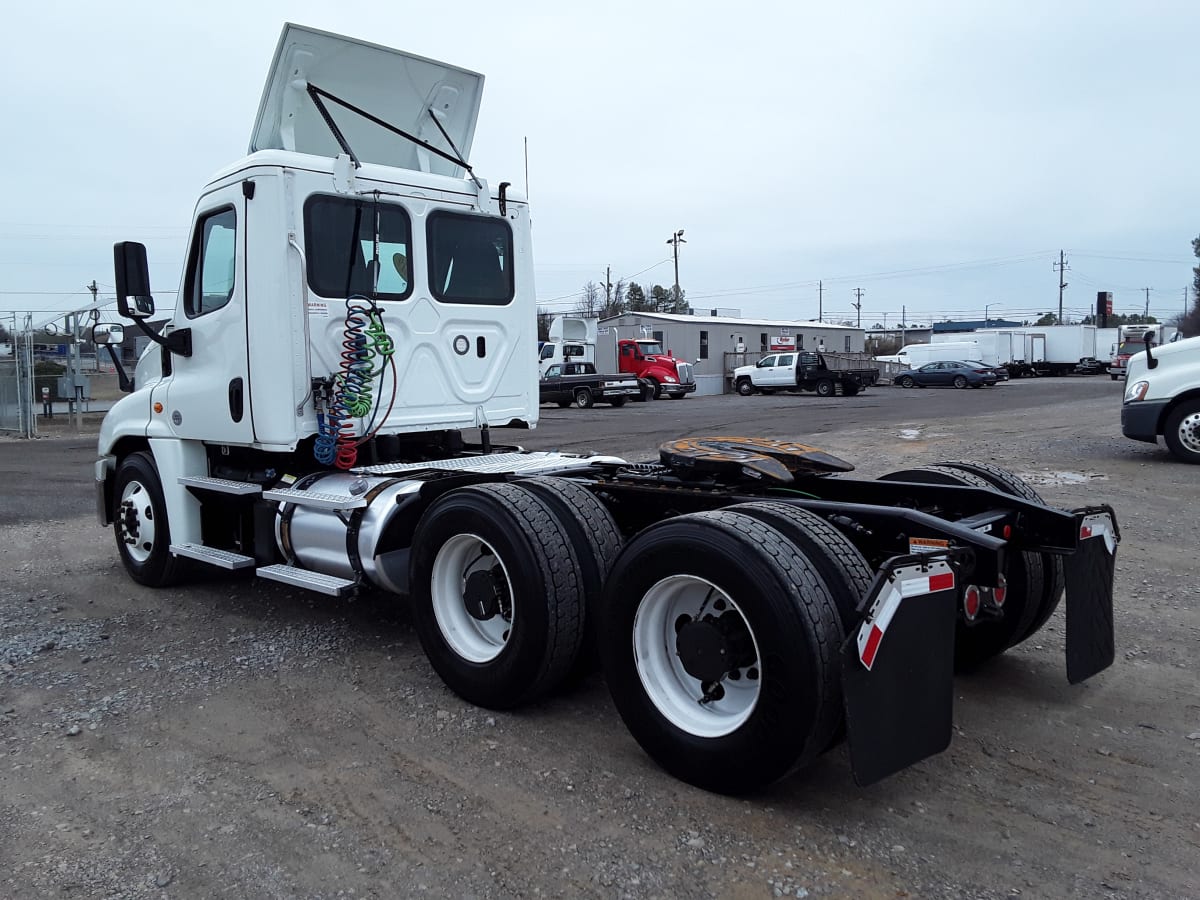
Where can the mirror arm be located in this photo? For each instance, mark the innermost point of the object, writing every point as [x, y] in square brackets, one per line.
[178, 342]
[123, 379]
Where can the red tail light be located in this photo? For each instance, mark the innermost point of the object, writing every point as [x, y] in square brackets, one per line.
[971, 602]
[981, 371]
[1000, 594]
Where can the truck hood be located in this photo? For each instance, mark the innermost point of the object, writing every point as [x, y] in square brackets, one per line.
[1169, 356]
[399, 88]
[743, 371]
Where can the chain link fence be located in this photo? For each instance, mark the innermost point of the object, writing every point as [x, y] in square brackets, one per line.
[17, 412]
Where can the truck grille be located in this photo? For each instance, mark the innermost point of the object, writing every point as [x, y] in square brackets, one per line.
[685, 373]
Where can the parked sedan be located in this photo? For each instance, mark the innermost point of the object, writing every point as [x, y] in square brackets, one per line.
[948, 374]
[1000, 372]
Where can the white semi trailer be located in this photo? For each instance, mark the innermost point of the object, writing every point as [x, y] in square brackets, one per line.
[357, 317]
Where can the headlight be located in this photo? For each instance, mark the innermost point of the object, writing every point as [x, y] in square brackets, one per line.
[1136, 391]
[670, 379]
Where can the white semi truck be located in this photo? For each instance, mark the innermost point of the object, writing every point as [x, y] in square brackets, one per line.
[1162, 394]
[356, 320]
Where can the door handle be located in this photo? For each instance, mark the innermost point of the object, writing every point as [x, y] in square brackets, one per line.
[236, 404]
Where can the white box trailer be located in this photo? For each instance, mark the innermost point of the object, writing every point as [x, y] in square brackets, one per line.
[1045, 349]
[916, 355]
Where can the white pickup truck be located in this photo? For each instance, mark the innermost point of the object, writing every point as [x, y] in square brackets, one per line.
[806, 371]
[1163, 397]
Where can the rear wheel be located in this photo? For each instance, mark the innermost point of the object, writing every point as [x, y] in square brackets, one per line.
[617, 402]
[991, 634]
[597, 542]
[497, 594]
[583, 398]
[563, 404]
[960, 381]
[745, 387]
[719, 639]
[1182, 431]
[824, 388]
[140, 523]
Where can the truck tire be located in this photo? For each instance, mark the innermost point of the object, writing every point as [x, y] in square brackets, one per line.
[563, 404]
[975, 643]
[849, 390]
[140, 524]
[618, 402]
[1054, 579]
[597, 542]
[960, 381]
[1182, 431]
[906, 381]
[842, 567]
[653, 389]
[697, 589]
[745, 387]
[583, 398]
[824, 387]
[497, 594]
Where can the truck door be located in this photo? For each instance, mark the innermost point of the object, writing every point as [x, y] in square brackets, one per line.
[783, 373]
[208, 393]
[551, 390]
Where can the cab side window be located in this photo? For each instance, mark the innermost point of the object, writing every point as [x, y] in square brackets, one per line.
[211, 263]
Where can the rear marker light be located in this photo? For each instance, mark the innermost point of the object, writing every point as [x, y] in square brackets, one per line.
[1007, 532]
[1000, 594]
[971, 602]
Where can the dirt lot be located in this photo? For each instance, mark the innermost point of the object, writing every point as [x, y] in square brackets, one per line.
[234, 738]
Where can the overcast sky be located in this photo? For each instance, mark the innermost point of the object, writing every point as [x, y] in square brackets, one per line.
[937, 155]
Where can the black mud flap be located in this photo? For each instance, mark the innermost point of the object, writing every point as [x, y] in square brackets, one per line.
[898, 667]
[1091, 645]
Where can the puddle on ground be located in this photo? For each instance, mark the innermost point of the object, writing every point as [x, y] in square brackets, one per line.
[1062, 477]
[910, 434]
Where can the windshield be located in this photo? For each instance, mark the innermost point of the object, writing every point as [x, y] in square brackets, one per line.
[650, 348]
[1128, 348]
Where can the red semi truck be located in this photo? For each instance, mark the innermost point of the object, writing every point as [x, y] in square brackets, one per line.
[659, 373]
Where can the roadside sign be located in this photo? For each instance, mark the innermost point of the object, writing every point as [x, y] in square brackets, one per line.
[785, 332]
[602, 331]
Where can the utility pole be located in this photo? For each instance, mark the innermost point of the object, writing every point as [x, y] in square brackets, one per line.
[820, 301]
[903, 322]
[1062, 267]
[858, 292]
[675, 240]
[608, 287]
[1146, 314]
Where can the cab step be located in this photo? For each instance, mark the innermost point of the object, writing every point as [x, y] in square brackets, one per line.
[220, 485]
[222, 559]
[312, 581]
[317, 499]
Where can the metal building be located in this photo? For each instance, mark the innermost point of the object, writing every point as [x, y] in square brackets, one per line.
[716, 343]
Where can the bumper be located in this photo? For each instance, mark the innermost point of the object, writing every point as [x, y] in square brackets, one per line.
[1139, 420]
[676, 390]
[630, 392]
[105, 467]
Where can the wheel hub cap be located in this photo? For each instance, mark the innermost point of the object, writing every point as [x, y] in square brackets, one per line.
[1189, 432]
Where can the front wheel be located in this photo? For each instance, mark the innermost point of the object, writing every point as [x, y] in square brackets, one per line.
[745, 387]
[1182, 431]
[719, 640]
[652, 390]
[960, 381]
[140, 523]
[907, 382]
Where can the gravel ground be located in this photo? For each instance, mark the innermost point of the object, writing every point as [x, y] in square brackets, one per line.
[233, 738]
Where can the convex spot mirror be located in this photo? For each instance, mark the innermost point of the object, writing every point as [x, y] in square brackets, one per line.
[108, 334]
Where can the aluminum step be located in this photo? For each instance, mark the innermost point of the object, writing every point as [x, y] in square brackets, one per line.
[221, 558]
[312, 581]
[220, 485]
[319, 499]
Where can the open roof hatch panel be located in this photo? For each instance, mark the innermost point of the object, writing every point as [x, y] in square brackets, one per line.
[396, 87]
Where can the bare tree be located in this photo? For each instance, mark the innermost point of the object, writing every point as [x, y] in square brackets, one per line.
[544, 318]
[590, 300]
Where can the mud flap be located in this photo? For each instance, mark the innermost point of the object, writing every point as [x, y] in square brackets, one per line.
[1091, 645]
[898, 668]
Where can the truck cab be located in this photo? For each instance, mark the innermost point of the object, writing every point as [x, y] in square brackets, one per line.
[660, 372]
[1162, 397]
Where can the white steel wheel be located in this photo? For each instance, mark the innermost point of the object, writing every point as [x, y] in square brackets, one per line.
[688, 614]
[135, 521]
[1188, 432]
[472, 598]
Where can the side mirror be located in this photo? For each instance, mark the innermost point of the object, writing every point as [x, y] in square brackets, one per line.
[133, 280]
[108, 334]
[1151, 362]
